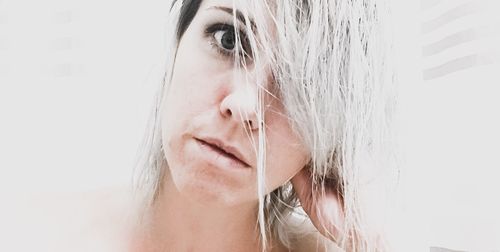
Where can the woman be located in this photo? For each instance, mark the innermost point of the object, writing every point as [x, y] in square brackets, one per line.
[267, 108]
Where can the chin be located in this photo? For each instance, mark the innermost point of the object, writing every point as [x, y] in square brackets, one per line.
[211, 195]
[210, 190]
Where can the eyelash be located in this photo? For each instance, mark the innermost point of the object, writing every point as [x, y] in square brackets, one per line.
[244, 47]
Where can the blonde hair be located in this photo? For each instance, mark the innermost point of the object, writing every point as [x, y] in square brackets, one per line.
[328, 61]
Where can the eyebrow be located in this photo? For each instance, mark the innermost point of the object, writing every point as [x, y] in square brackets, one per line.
[231, 11]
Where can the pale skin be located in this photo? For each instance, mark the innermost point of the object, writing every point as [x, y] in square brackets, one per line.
[208, 204]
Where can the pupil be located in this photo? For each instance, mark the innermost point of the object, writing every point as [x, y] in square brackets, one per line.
[228, 40]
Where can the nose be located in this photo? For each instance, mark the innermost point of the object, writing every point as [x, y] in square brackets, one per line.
[240, 106]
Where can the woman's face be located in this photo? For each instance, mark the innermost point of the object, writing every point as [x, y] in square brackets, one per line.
[210, 155]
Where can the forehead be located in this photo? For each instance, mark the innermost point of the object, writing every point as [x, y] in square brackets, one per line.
[236, 4]
[256, 11]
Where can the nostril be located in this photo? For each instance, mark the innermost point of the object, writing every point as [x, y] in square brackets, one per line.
[238, 111]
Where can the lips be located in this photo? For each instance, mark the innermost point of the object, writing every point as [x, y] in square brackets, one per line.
[227, 151]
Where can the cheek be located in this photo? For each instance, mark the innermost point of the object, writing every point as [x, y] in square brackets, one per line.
[196, 86]
[286, 154]
[190, 94]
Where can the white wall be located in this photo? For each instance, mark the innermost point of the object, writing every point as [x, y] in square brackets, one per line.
[450, 118]
[76, 84]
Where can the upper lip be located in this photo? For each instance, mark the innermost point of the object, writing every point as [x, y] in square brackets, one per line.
[225, 147]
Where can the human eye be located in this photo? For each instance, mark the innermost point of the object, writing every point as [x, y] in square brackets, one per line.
[223, 39]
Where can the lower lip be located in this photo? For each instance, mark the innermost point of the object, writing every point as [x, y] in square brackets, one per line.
[215, 157]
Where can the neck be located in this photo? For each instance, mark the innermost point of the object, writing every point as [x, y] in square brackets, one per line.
[178, 223]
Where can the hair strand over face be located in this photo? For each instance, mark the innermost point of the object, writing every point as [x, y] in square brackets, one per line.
[328, 60]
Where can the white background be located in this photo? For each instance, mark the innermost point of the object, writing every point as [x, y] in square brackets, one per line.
[77, 80]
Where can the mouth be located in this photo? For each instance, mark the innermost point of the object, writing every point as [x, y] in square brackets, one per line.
[226, 152]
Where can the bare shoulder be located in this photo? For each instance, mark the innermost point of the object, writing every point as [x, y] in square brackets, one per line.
[73, 221]
[111, 216]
